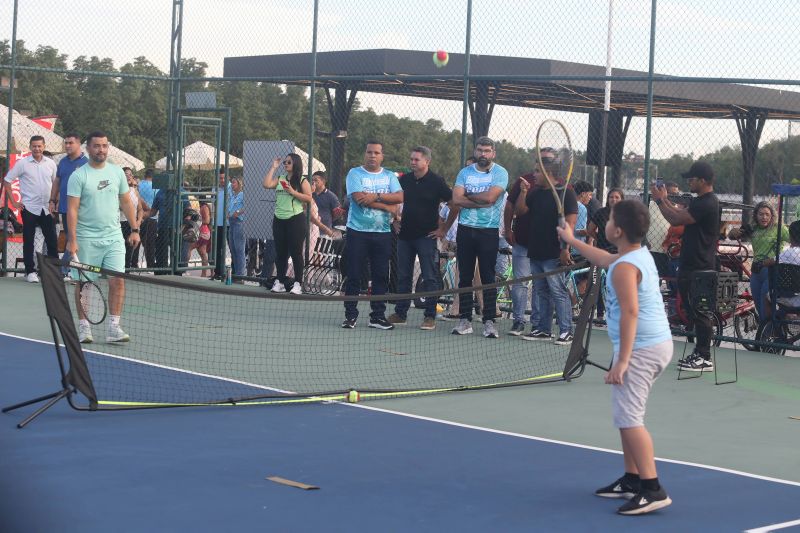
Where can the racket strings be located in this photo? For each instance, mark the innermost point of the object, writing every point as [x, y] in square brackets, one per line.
[92, 303]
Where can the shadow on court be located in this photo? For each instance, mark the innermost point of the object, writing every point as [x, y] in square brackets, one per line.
[204, 469]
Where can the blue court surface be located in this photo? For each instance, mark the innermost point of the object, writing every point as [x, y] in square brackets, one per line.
[205, 469]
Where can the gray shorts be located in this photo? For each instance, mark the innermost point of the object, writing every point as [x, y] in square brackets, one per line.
[628, 401]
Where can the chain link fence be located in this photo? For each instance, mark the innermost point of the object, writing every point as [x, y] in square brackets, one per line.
[682, 81]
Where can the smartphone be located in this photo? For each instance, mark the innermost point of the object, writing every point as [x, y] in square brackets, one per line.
[659, 182]
[284, 184]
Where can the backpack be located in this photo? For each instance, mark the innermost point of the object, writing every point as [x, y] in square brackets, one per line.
[190, 232]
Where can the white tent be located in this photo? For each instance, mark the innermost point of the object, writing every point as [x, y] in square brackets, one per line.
[201, 156]
[318, 165]
[116, 156]
[22, 129]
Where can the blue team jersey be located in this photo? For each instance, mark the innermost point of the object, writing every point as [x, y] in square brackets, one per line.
[362, 218]
[474, 181]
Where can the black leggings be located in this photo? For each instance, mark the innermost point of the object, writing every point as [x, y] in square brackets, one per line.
[289, 236]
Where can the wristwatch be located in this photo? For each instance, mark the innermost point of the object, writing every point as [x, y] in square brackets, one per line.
[378, 197]
[658, 202]
[134, 230]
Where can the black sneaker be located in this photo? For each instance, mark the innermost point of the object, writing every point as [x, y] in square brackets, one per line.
[564, 339]
[380, 323]
[349, 323]
[697, 364]
[517, 329]
[618, 489]
[537, 335]
[645, 501]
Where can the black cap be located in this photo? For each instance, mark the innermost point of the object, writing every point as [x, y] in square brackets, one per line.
[700, 170]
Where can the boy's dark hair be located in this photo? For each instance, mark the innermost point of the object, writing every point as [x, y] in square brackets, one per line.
[794, 232]
[581, 187]
[321, 175]
[35, 138]
[73, 135]
[632, 217]
[148, 173]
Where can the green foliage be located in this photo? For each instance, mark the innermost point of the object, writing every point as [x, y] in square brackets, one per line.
[134, 113]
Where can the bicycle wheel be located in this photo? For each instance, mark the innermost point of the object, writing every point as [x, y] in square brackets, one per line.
[770, 332]
[746, 327]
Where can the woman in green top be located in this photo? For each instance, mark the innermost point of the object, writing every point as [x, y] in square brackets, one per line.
[289, 225]
[763, 234]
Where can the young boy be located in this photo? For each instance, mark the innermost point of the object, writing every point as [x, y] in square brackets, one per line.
[640, 335]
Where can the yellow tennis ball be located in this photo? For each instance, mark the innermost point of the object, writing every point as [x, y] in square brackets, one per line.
[440, 58]
[439, 308]
[353, 396]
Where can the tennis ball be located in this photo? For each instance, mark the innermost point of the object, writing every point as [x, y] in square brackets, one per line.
[440, 58]
[353, 396]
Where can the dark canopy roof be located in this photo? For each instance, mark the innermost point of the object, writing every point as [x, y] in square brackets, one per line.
[686, 99]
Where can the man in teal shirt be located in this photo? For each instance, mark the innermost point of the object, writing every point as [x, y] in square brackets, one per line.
[96, 193]
[478, 194]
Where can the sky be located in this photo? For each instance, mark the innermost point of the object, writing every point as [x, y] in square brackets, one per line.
[713, 38]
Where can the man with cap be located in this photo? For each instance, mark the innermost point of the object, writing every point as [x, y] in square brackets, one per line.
[698, 251]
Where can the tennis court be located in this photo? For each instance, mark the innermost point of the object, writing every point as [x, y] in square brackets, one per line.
[512, 459]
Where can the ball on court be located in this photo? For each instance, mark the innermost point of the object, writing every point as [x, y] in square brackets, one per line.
[353, 396]
[440, 58]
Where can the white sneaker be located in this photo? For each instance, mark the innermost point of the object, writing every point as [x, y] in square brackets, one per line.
[33, 277]
[115, 334]
[85, 334]
[278, 287]
[296, 288]
[464, 327]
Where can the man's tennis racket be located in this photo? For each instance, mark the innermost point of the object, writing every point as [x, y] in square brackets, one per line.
[92, 300]
[553, 138]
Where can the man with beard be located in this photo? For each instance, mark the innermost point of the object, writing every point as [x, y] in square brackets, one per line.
[96, 193]
[478, 192]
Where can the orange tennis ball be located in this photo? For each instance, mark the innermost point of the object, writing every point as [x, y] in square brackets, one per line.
[440, 58]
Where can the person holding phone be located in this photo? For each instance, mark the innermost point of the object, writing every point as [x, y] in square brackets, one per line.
[289, 224]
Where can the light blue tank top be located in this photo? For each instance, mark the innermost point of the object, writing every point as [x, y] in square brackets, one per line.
[651, 326]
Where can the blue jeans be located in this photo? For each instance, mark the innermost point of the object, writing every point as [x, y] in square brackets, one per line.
[550, 291]
[759, 288]
[236, 244]
[425, 249]
[363, 247]
[519, 291]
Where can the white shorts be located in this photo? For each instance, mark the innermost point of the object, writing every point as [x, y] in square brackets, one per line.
[628, 401]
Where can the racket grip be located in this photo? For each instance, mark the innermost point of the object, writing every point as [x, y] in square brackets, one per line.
[562, 222]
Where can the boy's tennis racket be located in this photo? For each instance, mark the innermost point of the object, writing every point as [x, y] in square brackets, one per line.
[92, 300]
[552, 136]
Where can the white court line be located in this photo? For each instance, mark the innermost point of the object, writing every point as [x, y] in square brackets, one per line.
[773, 527]
[477, 428]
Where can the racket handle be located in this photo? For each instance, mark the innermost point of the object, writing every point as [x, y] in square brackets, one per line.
[562, 222]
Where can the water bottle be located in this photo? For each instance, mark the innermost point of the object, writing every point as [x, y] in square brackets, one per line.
[228, 276]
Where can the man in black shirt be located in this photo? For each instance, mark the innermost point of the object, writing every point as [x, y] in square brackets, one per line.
[698, 251]
[546, 253]
[423, 191]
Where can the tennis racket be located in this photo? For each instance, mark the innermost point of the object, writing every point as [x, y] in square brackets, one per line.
[553, 138]
[92, 300]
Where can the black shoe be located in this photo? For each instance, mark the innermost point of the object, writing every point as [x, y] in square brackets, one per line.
[349, 323]
[618, 489]
[380, 323]
[646, 501]
[698, 363]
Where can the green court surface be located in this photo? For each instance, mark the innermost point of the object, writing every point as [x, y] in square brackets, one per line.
[743, 426]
